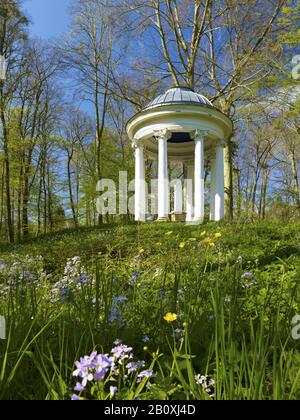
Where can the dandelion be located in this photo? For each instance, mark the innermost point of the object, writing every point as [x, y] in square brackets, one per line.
[170, 317]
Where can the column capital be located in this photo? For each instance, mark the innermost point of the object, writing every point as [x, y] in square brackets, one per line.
[199, 134]
[137, 144]
[162, 134]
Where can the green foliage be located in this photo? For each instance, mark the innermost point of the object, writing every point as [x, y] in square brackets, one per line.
[234, 289]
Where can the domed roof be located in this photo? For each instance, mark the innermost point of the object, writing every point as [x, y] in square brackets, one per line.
[180, 95]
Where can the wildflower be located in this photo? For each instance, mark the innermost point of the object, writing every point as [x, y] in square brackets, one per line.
[120, 299]
[121, 352]
[146, 339]
[169, 233]
[76, 398]
[206, 383]
[170, 317]
[158, 244]
[251, 283]
[149, 374]
[178, 333]
[218, 235]
[134, 278]
[182, 245]
[113, 390]
[79, 387]
[202, 234]
[162, 294]
[247, 275]
[102, 365]
[134, 366]
[192, 239]
[142, 251]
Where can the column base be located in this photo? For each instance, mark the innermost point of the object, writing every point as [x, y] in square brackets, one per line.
[198, 220]
[163, 219]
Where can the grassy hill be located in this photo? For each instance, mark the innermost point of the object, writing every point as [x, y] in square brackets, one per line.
[208, 308]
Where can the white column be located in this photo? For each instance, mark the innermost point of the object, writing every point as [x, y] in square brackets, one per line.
[219, 184]
[189, 190]
[163, 182]
[140, 190]
[213, 189]
[199, 176]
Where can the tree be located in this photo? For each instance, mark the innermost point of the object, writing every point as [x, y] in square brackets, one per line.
[13, 25]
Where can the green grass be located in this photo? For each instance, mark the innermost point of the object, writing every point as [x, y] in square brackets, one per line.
[237, 329]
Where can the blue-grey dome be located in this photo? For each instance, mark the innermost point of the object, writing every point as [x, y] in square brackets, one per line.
[180, 95]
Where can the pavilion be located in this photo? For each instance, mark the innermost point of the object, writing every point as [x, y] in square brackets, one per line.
[181, 126]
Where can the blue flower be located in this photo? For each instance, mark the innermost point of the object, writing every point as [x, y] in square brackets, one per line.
[146, 339]
[120, 299]
[133, 366]
[113, 390]
[149, 374]
[121, 352]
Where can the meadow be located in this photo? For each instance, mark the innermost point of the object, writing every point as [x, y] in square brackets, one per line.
[152, 312]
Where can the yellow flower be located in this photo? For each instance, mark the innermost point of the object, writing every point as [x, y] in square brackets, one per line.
[207, 240]
[193, 239]
[218, 235]
[182, 245]
[158, 243]
[169, 317]
[203, 233]
[142, 251]
[169, 233]
[212, 244]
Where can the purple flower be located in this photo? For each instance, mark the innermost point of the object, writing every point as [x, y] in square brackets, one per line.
[146, 339]
[113, 390]
[83, 280]
[121, 352]
[75, 398]
[162, 294]
[102, 365]
[120, 299]
[149, 374]
[79, 387]
[247, 275]
[133, 366]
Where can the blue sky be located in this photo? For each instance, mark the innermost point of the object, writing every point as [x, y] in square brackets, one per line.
[49, 17]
